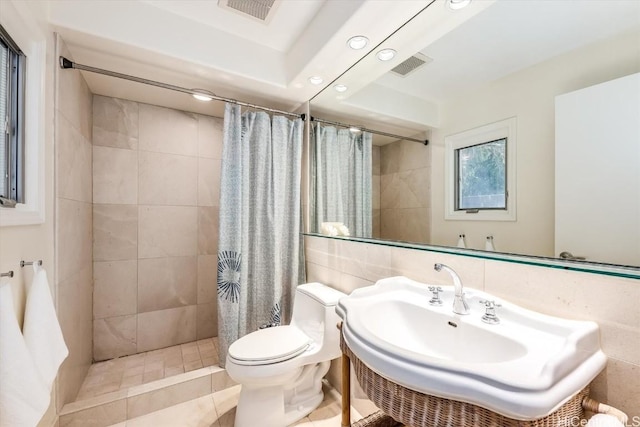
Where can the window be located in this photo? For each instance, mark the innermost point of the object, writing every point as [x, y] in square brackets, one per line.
[481, 176]
[12, 72]
[20, 24]
[480, 173]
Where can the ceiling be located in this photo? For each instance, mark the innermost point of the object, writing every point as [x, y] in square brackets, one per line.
[288, 21]
[199, 44]
[507, 37]
[469, 48]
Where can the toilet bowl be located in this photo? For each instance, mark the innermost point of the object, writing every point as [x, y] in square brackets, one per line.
[281, 368]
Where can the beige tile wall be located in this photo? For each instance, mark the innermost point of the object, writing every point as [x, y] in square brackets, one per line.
[73, 230]
[404, 200]
[610, 301]
[156, 185]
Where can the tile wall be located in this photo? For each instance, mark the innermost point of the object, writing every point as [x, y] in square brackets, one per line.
[156, 184]
[612, 302]
[73, 219]
[405, 193]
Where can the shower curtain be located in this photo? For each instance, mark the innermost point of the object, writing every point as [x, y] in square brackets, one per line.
[259, 248]
[341, 179]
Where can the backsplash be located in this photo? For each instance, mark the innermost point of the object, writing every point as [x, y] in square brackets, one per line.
[612, 302]
[156, 183]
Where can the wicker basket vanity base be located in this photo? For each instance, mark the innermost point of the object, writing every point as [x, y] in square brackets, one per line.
[415, 409]
[377, 419]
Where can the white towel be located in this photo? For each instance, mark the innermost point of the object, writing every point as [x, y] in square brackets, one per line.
[41, 329]
[23, 397]
[328, 229]
[334, 229]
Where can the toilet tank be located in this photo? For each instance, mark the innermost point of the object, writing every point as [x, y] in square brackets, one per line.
[314, 312]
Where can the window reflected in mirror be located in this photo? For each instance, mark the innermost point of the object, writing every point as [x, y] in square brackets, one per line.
[481, 176]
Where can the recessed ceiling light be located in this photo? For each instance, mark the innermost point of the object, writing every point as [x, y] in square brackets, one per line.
[340, 88]
[386, 54]
[458, 4]
[202, 95]
[357, 42]
[315, 80]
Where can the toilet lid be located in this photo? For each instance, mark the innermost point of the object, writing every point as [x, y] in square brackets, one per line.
[269, 345]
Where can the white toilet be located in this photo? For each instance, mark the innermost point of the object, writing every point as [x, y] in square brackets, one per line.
[281, 368]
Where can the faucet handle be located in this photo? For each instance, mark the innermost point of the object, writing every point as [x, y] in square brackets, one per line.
[490, 314]
[435, 298]
[489, 304]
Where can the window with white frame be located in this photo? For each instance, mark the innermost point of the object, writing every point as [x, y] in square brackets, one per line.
[480, 173]
[12, 72]
[20, 23]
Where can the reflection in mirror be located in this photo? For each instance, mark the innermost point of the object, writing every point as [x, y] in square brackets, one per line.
[341, 188]
[538, 61]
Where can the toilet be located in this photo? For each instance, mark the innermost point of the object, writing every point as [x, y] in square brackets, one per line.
[281, 368]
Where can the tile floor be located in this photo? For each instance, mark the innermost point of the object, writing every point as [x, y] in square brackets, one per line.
[124, 372]
[218, 410]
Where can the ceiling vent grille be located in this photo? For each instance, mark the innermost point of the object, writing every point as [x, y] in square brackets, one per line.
[411, 64]
[258, 9]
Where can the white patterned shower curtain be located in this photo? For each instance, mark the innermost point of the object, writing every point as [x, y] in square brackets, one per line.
[341, 179]
[260, 259]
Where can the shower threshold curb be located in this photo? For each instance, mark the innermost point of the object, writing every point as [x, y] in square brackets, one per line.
[119, 406]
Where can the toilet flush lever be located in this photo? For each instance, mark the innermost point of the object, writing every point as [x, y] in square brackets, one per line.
[435, 298]
[490, 314]
[268, 325]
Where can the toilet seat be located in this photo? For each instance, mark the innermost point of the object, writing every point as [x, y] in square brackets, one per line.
[270, 345]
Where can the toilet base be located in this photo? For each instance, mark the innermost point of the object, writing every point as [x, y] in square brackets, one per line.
[296, 412]
[281, 405]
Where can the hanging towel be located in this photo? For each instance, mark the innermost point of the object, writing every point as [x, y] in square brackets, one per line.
[23, 397]
[41, 329]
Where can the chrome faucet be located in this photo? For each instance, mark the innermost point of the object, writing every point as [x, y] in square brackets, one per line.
[460, 305]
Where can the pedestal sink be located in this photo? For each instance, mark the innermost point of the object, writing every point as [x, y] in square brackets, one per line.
[524, 368]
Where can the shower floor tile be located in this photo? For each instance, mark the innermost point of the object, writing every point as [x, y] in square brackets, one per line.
[124, 372]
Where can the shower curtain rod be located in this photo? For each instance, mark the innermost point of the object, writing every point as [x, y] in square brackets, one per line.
[66, 63]
[377, 132]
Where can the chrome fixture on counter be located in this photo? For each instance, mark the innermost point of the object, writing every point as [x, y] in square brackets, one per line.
[460, 305]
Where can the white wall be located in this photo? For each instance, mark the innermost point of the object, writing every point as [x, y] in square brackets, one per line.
[528, 95]
[32, 242]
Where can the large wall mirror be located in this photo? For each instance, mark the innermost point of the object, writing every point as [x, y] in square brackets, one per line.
[531, 63]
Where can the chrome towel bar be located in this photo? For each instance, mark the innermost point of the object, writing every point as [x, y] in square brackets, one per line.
[23, 263]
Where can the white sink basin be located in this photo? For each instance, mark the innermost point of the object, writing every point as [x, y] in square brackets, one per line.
[411, 329]
[525, 368]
